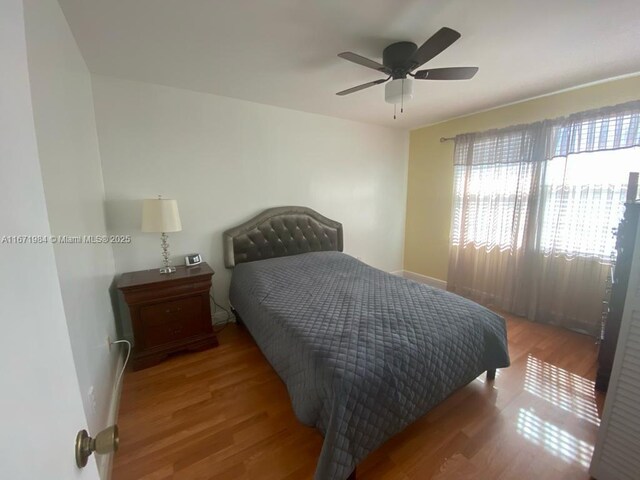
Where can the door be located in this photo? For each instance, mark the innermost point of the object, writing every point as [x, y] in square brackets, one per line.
[616, 453]
[40, 404]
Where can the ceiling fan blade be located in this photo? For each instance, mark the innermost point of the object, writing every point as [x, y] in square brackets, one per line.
[362, 87]
[440, 41]
[365, 62]
[453, 73]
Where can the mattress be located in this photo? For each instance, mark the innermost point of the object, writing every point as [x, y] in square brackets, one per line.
[363, 353]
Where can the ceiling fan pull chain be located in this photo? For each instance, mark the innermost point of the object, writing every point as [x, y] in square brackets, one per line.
[402, 98]
[394, 111]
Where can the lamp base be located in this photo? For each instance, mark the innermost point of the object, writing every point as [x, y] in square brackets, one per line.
[167, 269]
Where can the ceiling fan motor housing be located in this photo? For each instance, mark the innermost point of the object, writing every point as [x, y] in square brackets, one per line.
[397, 57]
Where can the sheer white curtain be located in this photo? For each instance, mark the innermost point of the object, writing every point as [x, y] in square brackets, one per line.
[496, 173]
[533, 212]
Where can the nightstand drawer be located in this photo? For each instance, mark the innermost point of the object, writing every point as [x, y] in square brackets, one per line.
[170, 321]
[169, 312]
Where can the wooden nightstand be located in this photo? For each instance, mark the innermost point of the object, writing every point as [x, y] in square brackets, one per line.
[169, 312]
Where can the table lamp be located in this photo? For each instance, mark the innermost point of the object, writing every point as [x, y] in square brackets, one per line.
[160, 215]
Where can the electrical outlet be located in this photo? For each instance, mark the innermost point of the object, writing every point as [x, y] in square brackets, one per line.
[91, 396]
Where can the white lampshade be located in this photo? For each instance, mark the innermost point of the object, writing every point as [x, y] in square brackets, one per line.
[160, 215]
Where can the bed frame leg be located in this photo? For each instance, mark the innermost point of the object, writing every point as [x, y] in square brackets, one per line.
[352, 476]
[239, 321]
[491, 374]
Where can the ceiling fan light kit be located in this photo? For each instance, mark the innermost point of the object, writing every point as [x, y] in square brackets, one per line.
[400, 59]
[398, 91]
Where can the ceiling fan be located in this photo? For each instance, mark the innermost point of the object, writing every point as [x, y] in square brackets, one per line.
[400, 59]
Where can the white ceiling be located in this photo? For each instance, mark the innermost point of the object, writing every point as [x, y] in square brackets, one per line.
[283, 52]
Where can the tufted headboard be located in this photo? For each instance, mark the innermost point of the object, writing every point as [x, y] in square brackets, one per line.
[279, 232]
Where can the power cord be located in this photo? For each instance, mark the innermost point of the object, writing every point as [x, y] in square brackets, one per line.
[217, 306]
[126, 360]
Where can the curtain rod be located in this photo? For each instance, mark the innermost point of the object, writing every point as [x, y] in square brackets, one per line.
[633, 104]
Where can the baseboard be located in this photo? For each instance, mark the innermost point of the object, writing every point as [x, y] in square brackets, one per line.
[105, 462]
[417, 277]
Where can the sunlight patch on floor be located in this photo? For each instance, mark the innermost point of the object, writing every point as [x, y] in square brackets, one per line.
[553, 439]
[563, 389]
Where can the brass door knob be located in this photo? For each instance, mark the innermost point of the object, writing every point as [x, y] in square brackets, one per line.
[105, 442]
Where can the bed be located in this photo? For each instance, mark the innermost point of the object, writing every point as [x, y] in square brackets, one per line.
[363, 353]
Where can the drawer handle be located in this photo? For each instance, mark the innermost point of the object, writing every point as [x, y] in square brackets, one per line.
[177, 330]
[168, 310]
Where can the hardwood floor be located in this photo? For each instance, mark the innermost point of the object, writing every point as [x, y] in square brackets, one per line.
[224, 414]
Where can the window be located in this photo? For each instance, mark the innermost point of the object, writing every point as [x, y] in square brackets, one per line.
[534, 210]
[492, 187]
[496, 203]
[583, 201]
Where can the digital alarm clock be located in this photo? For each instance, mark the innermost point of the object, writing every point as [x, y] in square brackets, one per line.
[192, 259]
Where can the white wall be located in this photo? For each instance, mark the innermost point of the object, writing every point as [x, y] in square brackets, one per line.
[73, 186]
[40, 406]
[226, 160]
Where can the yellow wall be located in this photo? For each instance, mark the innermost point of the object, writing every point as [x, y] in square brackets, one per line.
[431, 165]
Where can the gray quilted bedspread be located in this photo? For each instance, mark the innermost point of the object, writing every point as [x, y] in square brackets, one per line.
[363, 353]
